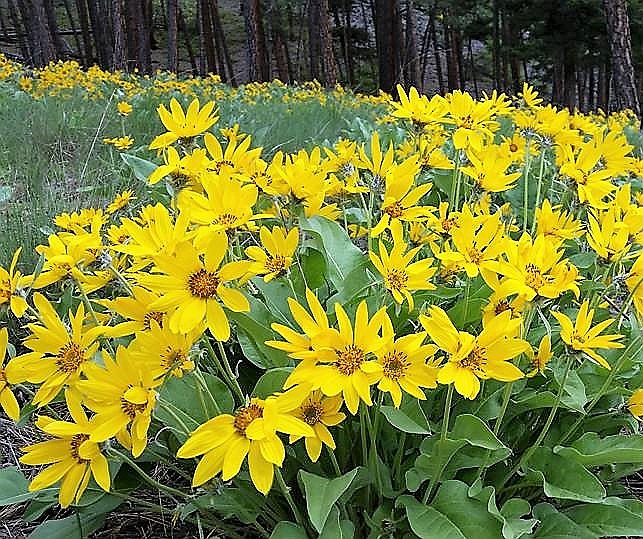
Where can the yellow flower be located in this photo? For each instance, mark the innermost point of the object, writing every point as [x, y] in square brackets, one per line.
[120, 143]
[235, 158]
[478, 242]
[7, 398]
[226, 440]
[635, 404]
[529, 96]
[319, 412]
[192, 287]
[124, 108]
[278, 255]
[122, 393]
[405, 367]
[401, 277]
[184, 171]
[472, 358]
[541, 358]
[418, 108]
[136, 308]
[340, 363]
[120, 201]
[608, 235]
[634, 282]
[183, 126]
[555, 223]
[299, 345]
[11, 284]
[488, 169]
[582, 337]
[534, 269]
[57, 358]
[473, 120]
[400, 197]
[72, 458]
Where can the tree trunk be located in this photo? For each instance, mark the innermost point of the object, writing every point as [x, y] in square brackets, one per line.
[81, 9]
[618, 35]
[329, 70]
[22, 33]
[119, 54]
[411, 58]
[186, 36]
[173, 35]
[258, 67]
[314, 38]
[389, 43]
[495, 51]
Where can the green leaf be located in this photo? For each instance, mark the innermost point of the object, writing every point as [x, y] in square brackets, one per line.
[288, 530]
[336, 528]
[229, 503]
[142, 168]
[87, 521]
[613, 516]
[341, 255]
[13, 486]
[592, 450]
[565, 478]
[401, 419]
[314, 266]
[475, 431]
[322, 493]
[271, 382]
[514, 525]
[574, 396]
[453, 514]
[185, 404]
[555, 525]
[255, 325]
[583, 260]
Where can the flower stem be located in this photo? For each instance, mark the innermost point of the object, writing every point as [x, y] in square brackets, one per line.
[525, 204]
[552, 413]
[286, 492]
[539, 186]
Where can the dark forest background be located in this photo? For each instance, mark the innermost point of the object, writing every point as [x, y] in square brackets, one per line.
[562, 47]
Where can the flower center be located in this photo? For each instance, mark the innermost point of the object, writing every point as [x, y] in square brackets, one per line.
[275, 264]
[203, 284]
[227, 220]
[534, 278]
[448, 224]
[3, 377]
[475, 255]
[395, 365]
[349, 359]
[5, 291]
[153, 315]
[513, 147]
[246, 415]
[131, 409]
[70, 357]
[502, 306]
[172, 358]
[395, 210]
[220, 164]
[467, 122]
[312, 412]
[396, 279]
[475, 361]
[74, 445]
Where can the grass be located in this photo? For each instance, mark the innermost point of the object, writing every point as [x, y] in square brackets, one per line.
[53, 160]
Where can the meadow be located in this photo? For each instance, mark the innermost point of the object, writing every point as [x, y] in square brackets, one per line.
[289, 312]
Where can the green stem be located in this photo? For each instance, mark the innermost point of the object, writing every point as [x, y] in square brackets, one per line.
[286, 492]
[552, 413]
[608, 382]
[149, 480]
[235, 383]
[397, 463]
[121, 279]
[333, 460]
[539, 185]
[525, 208]
[88, 304]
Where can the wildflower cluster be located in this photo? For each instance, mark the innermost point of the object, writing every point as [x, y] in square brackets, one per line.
[459, 306]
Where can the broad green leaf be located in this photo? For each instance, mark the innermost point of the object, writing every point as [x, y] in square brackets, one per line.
[565, 478]
[475, 431]
[322, 493]
[336, 528]
[556, 525]
[583, 260]
[13, 486]
[88, 520]
[185, 403]
[255, 324]
[288, 530]
[452, 515]
[142, 168]
[613, 516]
[401, 420]
[229, 503]
[592, 450]
[341, 255]
[574, 396]
[271, 382]
[436, 455]
[314, 265]
[514, 525]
